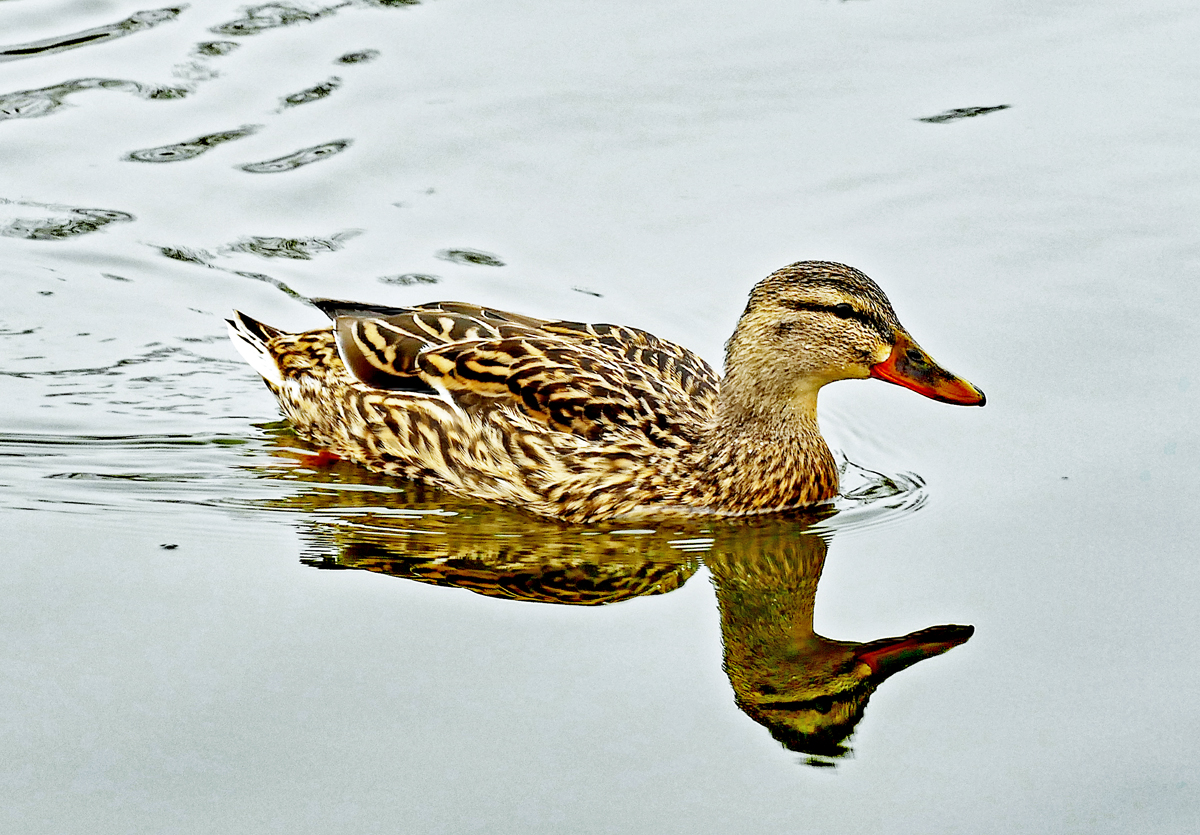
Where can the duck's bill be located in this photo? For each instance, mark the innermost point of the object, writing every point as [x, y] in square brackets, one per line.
[908, 365]
[891, 655]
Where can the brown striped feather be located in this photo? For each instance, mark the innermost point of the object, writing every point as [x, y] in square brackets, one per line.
[583, 421]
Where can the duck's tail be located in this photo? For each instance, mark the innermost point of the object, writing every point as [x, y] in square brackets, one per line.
[250, 337]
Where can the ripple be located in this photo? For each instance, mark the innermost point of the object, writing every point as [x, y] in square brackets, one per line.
[300, 249]
[204, 258]
[304, 156]
[187, 255]
[470, 256]
[267, 16]
[215, 49]
[155, 352]
[77, 221]
[14, 444]
[258, 19]
[962, 113]
[409, 279]
[361, 57]
[194, 72]
[30, 104]
[82, 473]
[316, 93]
[192, 147]
[342, 509]
[869, 499]
[137, 22]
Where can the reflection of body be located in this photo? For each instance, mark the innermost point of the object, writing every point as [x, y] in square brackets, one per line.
[809, 691]
[587, 422]
[420, 533]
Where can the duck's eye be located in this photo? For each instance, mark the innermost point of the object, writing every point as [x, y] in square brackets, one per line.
[843, 311]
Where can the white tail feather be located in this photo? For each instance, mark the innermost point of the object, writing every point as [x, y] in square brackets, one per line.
[253, 350]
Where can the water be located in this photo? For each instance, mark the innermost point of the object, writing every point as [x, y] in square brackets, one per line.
[175, 659]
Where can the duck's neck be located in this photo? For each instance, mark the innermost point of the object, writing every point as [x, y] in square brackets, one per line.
[762, 452]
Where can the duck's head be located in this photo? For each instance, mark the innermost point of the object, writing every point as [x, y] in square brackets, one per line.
[815, 322]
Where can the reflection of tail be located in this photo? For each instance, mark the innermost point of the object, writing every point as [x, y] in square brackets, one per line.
[250, 337]
[500, 571]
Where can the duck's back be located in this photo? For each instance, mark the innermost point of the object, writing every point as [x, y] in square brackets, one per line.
[567, 419]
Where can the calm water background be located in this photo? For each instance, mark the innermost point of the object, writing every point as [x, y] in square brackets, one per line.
[170, 665]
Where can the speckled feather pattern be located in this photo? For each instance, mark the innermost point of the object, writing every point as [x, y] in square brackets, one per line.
[573, 442]
[576, 421]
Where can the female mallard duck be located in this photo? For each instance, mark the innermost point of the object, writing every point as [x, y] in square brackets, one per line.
[583, 422]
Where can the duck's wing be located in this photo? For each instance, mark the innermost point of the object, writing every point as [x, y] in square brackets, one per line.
[380, 344]
[334, 308]
[589, 380]
[674, 364]
[567, 386]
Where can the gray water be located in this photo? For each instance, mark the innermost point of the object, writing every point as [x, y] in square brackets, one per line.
[175, 660]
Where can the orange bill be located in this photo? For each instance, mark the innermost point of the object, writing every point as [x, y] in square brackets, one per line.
[908, 365]
[891, 655]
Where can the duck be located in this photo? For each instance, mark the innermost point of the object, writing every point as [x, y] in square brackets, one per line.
[585, 422]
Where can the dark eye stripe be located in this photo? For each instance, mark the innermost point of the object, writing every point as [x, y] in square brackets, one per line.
[843, 310]
[810, 306]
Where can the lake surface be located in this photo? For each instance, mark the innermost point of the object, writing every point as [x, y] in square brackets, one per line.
[206, 631]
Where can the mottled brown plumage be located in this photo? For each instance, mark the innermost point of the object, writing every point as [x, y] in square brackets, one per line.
[590, 421]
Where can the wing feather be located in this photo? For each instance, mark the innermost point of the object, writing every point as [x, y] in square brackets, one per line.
[593, 380]
[380, 345]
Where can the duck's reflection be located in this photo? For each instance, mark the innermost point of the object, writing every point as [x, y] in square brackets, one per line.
[807, 690]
